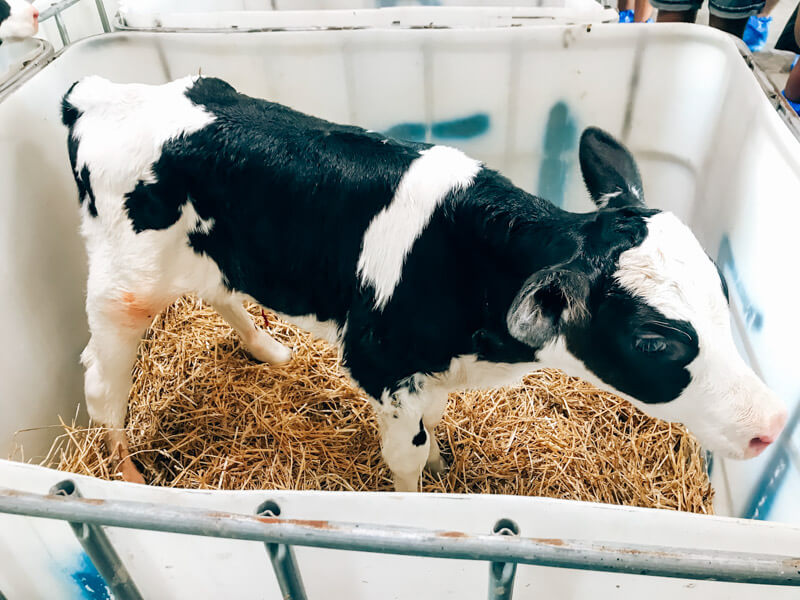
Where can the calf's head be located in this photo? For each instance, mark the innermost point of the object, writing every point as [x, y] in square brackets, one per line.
[641, 310]
[18, 19]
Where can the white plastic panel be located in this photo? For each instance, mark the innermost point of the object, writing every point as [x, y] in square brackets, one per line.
[47, 562]
[394, 14]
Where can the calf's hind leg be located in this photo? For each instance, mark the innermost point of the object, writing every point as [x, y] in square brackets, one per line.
[117, 325]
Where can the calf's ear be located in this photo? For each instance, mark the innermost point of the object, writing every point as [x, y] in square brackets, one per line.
[548, 299]
[609, 171]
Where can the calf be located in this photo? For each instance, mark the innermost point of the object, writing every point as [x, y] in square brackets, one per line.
[18, 19]
[430, 271]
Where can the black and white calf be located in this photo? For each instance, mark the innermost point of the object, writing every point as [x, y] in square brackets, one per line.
[18, 19]
[431, 272]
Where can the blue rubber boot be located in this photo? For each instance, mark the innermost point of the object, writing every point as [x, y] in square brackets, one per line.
[756, 32]
[626, 16]
[794, 105]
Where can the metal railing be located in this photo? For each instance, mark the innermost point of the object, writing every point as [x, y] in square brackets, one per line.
[503, 548]
[55, 11]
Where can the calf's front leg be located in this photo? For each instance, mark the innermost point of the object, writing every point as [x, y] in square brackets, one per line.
[432, 415]
[405, 443]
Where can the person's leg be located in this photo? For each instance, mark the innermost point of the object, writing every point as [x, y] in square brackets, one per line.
[731, 16]
[732, 26]
[642, 11]
[676, 11]
[786, 40]
[676, 16]
[792, 90]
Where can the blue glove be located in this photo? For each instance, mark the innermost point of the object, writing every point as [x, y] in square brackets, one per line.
[756, 32]
[626, 16]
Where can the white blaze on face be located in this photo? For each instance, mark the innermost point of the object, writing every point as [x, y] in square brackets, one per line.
[725, 405]
[22, 21]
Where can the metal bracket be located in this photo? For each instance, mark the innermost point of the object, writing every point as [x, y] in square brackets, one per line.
[55, 11]
[501, 574]
[282, 557]
[97, 546]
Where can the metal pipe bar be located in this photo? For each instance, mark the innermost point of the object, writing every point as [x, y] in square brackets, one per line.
[101, 12]
[56, 8]
[283, 561]
[98, 547]
[685, 563]
[501, 574]
[62, 30]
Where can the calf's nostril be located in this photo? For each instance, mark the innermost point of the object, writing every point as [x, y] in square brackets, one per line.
[761, 442]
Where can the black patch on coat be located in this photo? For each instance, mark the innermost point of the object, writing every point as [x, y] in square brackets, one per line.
[5, 10]
[69, 114]
[85, 190]
[635, 348]
[421, 437]
[69, 117]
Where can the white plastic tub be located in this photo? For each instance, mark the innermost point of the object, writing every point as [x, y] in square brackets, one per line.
[395, 14]
[710, 146]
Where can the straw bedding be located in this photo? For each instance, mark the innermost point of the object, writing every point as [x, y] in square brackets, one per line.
[204, 415]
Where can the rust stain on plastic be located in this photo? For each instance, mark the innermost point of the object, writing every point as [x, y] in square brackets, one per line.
[302, 522]
[452, 534]
[93, 501]
[792, 563]
[276, 520]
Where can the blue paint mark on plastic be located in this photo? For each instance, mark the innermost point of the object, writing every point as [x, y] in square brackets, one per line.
[91, 584]
[462, 128]
[413, 132]
[468, 127]
[753, 317]
[560, 142]
[774, 474]
[709, 461]
[770, 484]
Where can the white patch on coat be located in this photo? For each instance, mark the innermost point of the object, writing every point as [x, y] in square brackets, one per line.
[123, 128]
[22, 21]
[325, 330]
[468, 372]
[603, 200]
[391, 234]
[725, 405]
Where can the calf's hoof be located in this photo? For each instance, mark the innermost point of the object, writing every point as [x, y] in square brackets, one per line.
[437, 466]
[129, 472]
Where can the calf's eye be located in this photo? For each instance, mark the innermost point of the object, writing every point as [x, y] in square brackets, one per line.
[650, 343]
